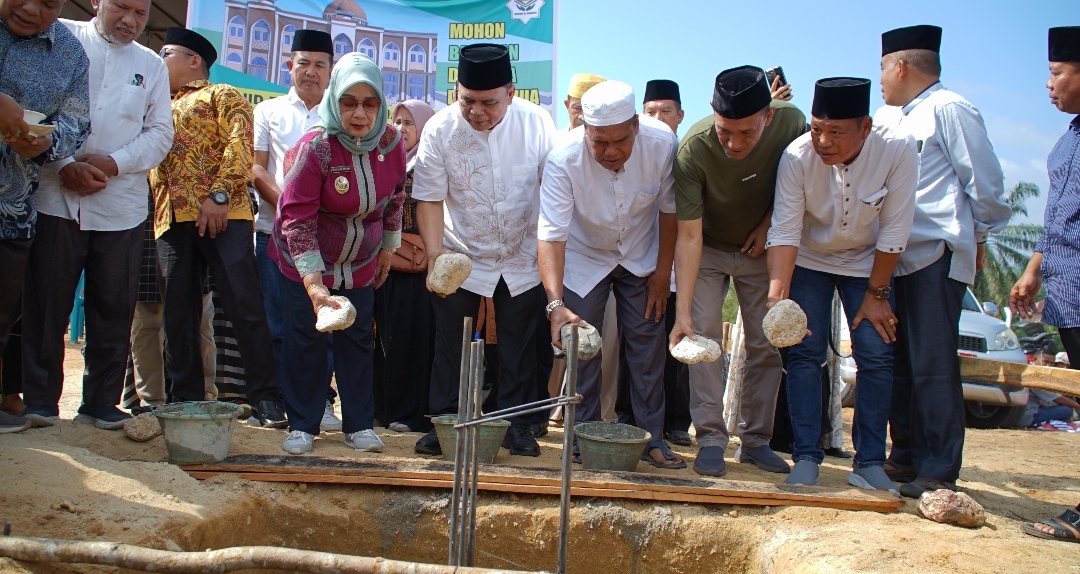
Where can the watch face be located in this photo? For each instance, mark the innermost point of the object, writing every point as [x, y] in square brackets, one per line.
[219, 197]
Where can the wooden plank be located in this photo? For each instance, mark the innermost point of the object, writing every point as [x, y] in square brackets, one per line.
[522, 480]
[424, 469]
[1064, 381]
[554, 490]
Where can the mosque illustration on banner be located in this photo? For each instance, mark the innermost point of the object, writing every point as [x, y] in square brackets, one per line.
[258, 42]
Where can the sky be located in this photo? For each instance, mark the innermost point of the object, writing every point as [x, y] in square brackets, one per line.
[993, 52]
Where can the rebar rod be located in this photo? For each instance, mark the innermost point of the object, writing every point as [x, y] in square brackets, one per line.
[459, 444]
[568, 443]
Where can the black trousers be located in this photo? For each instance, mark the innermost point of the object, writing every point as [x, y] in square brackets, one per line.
[14, 254]
[110, 260]
[676, 385]
[926, 415]
[404, 345]
[515, 324]
[1070, 338]
[184, 258]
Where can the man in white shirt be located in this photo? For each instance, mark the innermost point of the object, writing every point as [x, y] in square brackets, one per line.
[93, 207]
[844, 201]
[477, 184]
[958, 203]
[607, 224]
[279, 123]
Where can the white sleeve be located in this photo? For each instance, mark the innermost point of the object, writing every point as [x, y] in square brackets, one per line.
[556, 203]
[151, 146]
[898, 207]
[262, 126]
[430, 181]
[789, 203]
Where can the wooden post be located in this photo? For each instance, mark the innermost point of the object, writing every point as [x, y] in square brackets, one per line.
[1064, 381]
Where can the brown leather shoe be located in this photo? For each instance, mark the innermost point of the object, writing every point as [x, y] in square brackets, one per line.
[899, 472]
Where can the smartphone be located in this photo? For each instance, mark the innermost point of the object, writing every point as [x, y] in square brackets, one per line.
[772, 73]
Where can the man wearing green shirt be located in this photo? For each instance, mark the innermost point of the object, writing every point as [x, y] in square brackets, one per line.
[725, 175]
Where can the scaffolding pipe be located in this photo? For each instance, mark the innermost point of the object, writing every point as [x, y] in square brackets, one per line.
[225, 560]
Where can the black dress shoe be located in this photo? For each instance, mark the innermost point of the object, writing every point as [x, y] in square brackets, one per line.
[520, 441]
[429, 444]
[539, 429]
[269, 415]
[679, 437]
[837, 452]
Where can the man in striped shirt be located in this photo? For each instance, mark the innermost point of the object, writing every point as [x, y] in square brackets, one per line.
[1056, 260]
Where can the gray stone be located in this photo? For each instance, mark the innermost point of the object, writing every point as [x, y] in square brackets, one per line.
[331, 319]
[589, 342]
[692, 351]
[951, 507]
[450, 271]
[785, 324]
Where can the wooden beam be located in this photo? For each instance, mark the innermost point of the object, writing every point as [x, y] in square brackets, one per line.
[878, 505]
[1064, 381]
[503, 478]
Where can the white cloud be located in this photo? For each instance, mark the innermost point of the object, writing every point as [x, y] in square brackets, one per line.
[1034, 171]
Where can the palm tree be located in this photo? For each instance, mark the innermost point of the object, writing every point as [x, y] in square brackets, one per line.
[1008, 252]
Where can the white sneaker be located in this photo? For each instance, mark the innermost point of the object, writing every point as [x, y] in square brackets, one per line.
[365, 440]
[330, 422]
[298, 442]
[399, 427]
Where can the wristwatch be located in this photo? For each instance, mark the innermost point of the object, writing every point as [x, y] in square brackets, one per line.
[551, 307]
[879, 292]
[219, 197]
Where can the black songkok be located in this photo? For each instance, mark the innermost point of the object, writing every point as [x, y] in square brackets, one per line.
[741, 92]
[192, 41]
[922, 37]
[484, 66]
[841, 99]
[313, 41]
[1065, 44]
[661, 90]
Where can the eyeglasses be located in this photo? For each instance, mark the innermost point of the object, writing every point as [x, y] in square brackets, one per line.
[165, 52]
[370, 105]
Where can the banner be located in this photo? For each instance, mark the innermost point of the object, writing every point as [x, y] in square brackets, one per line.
[415, 42]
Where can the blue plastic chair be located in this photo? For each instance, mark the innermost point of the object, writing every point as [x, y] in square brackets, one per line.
[78, 314]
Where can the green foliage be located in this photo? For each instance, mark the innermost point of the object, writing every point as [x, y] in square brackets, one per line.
[1008, 252]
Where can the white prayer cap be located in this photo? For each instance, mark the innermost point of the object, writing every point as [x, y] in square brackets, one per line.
[608, 103]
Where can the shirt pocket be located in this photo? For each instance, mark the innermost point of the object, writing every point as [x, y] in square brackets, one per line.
[132, 104]
[523, 178]
[871, 206]
[645, 197]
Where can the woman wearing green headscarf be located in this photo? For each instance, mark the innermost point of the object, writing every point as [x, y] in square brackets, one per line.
[339, 220]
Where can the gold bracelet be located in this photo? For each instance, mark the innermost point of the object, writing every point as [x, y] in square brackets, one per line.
[311, 286]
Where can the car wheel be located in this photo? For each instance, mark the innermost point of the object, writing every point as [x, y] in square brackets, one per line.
[847, 394]
[985, 416]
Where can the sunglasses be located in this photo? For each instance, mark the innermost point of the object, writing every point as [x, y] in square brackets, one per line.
[370, 105]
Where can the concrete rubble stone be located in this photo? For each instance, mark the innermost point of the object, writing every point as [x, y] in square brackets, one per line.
[331, 319]
[951, 507]
[450, 271]
[785, 324]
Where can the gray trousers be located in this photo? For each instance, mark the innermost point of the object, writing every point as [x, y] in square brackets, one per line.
[757, 405]
[644, 343]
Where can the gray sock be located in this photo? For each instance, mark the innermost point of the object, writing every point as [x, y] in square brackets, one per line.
[805, 473]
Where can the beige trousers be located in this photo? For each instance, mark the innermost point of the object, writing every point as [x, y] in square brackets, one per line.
[757, 404]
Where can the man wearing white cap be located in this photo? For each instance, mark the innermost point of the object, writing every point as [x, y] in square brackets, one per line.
[607, 223]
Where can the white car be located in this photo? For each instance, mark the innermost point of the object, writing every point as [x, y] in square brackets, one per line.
[982, 335]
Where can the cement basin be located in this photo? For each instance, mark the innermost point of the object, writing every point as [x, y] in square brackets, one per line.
[610, 446]
[197, 432]
[491, 437]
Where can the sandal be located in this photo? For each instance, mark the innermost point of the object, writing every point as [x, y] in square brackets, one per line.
[674, 462]
[899, 472]
[1066, 527]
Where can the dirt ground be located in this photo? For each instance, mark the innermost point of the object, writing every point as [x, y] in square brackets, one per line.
[78, 482]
